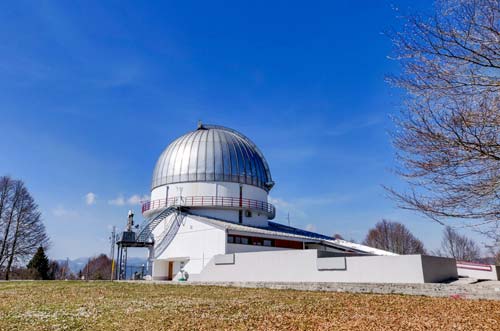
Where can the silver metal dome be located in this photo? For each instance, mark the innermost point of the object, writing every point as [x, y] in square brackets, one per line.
[212, 153]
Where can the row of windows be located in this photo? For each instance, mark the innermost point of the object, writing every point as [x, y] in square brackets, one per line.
[232, 239]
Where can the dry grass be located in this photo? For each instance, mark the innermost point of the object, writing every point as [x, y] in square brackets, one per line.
[126, 306]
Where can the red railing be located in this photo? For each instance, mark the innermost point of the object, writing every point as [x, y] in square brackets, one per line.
[210, 201]
[474, 266]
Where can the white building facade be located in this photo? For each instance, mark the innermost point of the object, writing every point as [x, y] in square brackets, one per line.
[209, 207]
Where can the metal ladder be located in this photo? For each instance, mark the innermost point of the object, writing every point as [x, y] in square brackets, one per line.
[146, 230]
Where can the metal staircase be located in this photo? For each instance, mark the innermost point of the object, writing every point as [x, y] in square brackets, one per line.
[168, 235]
[146, 230]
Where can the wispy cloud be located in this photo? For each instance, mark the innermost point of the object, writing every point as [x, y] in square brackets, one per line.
[298, 209]
[90, 198]
[353, 125]
[121, 75]
[136, 199]
[311, 227]
[323, 200]
[310, 201]
[133, 200]
[118, 201]
[61, 211]
[293, 154]
[285, 207]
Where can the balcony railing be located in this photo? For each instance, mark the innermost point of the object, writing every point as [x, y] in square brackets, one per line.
[211, 202]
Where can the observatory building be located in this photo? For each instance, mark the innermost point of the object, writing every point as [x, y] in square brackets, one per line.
[209, 219]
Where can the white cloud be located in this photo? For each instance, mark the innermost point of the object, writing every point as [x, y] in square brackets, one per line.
[279, 202]
[119, 201]
[287, 209]
[307, 202]
[311, 227]
[60, 211]
[298, 211]
[90, 199]
[133, 200]
[136, 199]
[323, 200]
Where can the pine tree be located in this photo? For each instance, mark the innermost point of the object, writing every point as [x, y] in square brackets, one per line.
[40, 263]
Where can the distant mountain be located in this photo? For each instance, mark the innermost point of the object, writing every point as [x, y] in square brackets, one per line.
[78, 264]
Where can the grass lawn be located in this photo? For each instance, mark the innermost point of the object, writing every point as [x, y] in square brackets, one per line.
[130, 306]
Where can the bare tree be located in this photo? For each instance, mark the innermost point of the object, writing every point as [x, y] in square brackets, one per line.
[338, 236]
[493, 246]
[21, 226]
[61, 270]
[98, 268]
[393, 237]
[5, 188]
[14, 187]
[458, 246]
[448, 134]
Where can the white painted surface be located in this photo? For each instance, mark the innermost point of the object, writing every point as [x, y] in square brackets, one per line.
[216, 189]
[238, 248]
[331, 263]
[478, 271]
[219, 189]
[224, 259]
[195, 243]
[160, 270]
[302, 266]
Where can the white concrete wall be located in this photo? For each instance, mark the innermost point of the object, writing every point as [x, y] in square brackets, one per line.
[478, 271]
[223, 214]
[239, 248]
[220, 189]
[160, 270]
[232, 216]
[195, 243]
[303, 266]
[323, 248]
[217, 189]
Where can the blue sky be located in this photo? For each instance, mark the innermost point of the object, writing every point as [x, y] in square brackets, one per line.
[91, 92]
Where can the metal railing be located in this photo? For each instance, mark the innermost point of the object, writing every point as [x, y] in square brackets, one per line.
[149, 225]
[210, 201]
[474, 266]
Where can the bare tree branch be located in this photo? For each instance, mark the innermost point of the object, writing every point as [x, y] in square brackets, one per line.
[448, 133]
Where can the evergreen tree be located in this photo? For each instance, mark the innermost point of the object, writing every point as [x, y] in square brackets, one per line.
[40, 263]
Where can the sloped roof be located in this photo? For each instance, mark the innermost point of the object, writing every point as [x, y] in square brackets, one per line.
[270, 231]
[280, 230]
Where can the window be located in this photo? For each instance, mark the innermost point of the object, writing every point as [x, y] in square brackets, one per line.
[243, 240]
[248, 213]
[267, 242]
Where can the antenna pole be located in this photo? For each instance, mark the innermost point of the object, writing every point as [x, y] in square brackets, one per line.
[112, 252]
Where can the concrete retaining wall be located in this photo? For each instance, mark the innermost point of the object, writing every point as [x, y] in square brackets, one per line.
[436, 269]
[478, 271]
[305, 266]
